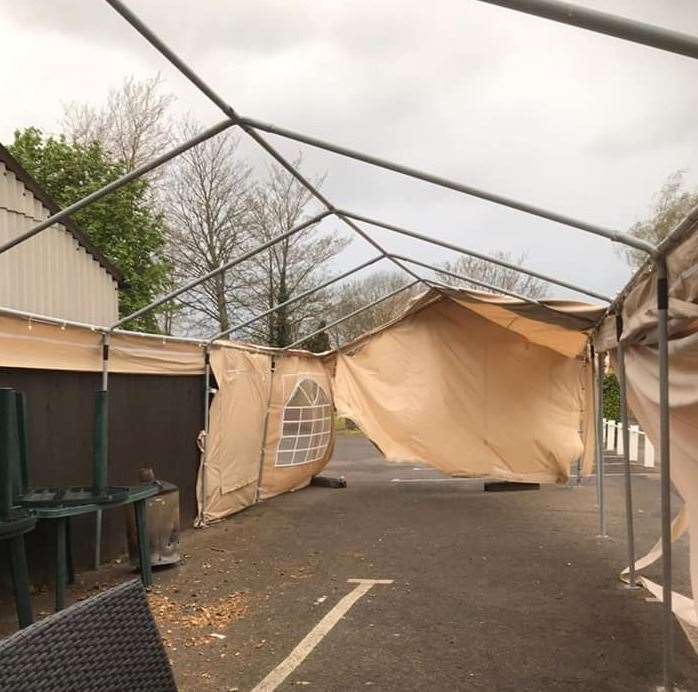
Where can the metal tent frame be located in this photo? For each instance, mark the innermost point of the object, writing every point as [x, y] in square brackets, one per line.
[555, 10]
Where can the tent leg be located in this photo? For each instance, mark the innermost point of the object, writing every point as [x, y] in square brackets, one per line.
[100, 450]
[204, 456]
[665, 464]
[622, 386]
[599, 447]
[98, 539]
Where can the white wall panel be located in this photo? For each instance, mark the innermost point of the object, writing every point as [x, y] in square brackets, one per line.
[50, 274]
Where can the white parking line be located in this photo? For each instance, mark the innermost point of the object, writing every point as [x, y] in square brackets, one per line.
[317, 634]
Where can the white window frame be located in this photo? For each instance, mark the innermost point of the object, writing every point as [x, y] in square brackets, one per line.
[317, 441]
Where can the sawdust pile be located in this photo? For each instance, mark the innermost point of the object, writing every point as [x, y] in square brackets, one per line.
[216, 615]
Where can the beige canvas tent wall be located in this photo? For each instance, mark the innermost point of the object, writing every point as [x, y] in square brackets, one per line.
[231, 458]
[476, 385]
[270, 428]
[639, 336]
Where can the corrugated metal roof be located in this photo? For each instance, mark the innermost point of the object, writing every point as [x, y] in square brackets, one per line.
[28, 206]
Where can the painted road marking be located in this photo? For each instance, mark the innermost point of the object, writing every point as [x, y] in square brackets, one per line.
[317, 634]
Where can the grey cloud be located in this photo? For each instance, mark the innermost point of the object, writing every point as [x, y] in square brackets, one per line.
[582, 124]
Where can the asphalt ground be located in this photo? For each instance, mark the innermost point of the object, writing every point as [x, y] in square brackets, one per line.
[491, 591]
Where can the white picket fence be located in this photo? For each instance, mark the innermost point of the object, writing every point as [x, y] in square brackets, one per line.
[639, 447]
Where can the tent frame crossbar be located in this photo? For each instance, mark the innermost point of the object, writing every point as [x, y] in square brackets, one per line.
[609, 234]
[294, 299]
[552, 9]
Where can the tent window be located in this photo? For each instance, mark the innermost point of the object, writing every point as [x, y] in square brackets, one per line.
[307, 425]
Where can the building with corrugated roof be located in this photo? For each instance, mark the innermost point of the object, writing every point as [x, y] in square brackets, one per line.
[59, 272]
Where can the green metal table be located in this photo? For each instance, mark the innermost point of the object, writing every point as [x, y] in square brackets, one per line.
[46, 504]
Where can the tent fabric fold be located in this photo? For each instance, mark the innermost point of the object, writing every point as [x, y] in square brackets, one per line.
[642, 368]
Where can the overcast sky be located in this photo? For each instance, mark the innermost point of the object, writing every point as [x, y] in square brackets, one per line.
[583, 124]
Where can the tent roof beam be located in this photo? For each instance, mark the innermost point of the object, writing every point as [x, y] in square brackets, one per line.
[610, 234]
[252, 127]
[605, 23]
[118, 183]
[473, 253]
[218, 270]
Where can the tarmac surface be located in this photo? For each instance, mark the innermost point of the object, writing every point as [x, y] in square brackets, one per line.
[490, 591]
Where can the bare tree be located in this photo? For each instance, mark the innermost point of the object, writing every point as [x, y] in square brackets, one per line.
[133, 125]
[356, 293]
[209, 208]
[493, 274]
[671, 204]
[291, 266]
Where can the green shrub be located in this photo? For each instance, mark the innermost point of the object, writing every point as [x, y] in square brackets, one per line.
[611, 397]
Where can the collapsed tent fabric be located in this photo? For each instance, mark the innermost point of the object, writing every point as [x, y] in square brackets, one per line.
[639, 336]
[463, 382]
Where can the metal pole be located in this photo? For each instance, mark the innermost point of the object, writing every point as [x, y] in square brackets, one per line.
[491, 287]
[294, 299]
[622, 386]
[105, 361]
[616, 236]
[604, 23]
[352, 314]
[204, 454]
[190, 74]
[116, 184]
[472, 253]
[600, 487]
[223, 267]
[157, 43]
[100, 451]
[251, 127]
[665, 464]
